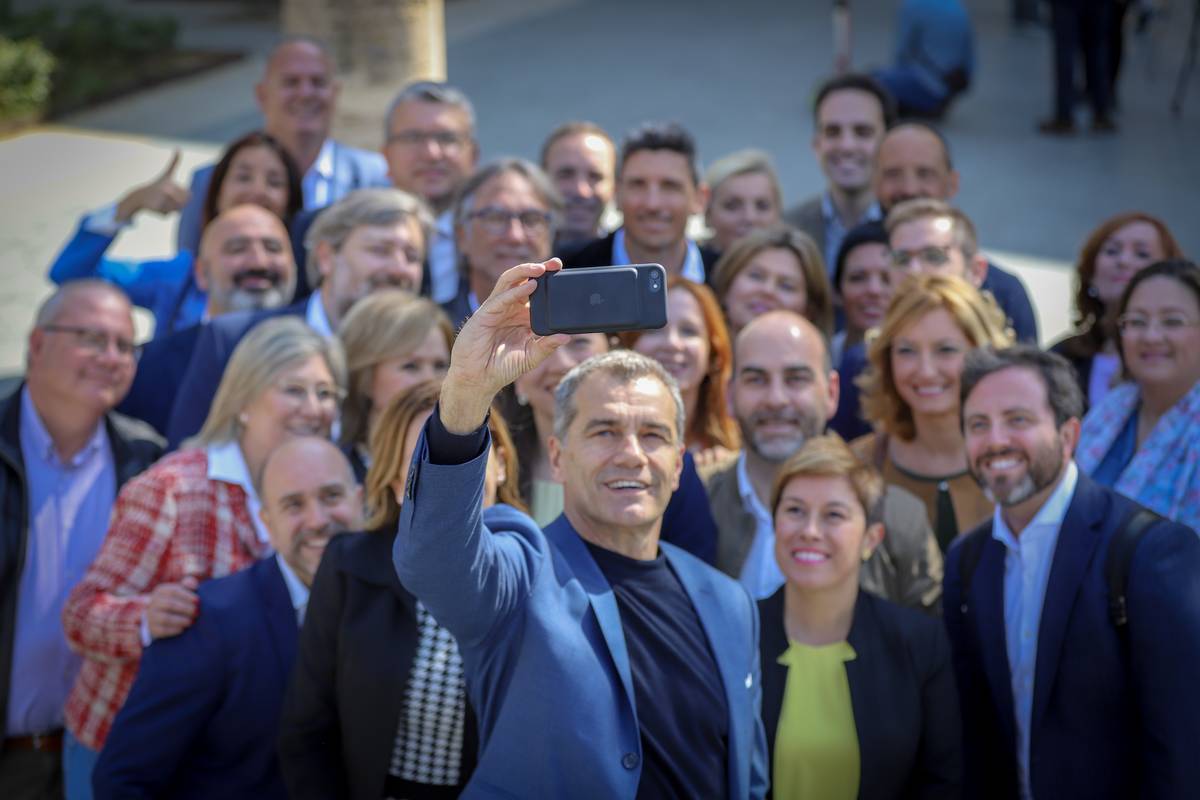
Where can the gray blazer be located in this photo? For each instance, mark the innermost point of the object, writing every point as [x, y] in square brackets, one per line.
[808, 218]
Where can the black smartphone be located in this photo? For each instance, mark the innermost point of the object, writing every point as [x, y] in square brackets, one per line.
[630, 297]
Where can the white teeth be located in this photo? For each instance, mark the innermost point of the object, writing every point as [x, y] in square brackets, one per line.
[1003, 463]
[809, 557]
[626, 485]
[930, 391]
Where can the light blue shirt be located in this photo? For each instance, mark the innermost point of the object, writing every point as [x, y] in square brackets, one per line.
[69, 505]
[835, 231]
[1027, 565]
[297, 591]
[761, 574]
[693, 262]
[934, 37]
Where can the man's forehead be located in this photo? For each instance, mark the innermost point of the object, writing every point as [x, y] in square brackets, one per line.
[507, 183]
[602, 395]
[433, 113]
[1012, 387]
[298, 57]
[778, 346]
[933, 228]
[405, 229]
[841, 104]
[306, 470]
[912, 147]
[655, 163]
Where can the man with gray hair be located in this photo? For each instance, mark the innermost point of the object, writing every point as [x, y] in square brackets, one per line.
[297, 96]
[430, 148]
[620, 662]
[369, 239]
[506, 214]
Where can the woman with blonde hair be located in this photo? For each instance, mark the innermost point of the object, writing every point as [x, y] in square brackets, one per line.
[393, 341]
[743, 195]
[194, 514]
[770, 268]
[910, 394]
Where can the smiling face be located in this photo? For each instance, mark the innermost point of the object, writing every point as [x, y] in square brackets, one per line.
[256, 175]
[821, 532]
[681, 346]
[430, 150]
[1014, 449]
[740, 204]
[849, 127]
[773, 279]
[297, 92]
[927, 363]
[1130, 249]
[245, 261]
[581, 165]
[392, 376]
[489, 250]
[301, 401]
[912, 163]
[1162, 350]
[308, 496]
[371, 257]
[538, 385]
[621, 457]
[866, 286]
[656, 193]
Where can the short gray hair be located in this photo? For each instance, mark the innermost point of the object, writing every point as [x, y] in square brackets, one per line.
[927, 207]
[363, 207]
[52, 306]
[625, 366]
[543, 187]
[430, 92]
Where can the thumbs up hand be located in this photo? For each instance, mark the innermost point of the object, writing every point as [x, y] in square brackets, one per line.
[161, 195]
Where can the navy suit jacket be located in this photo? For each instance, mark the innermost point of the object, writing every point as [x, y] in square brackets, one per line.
[160, 373]
[599, 253]
[1110, 719]
[1013, 300]
[546, 663]
[202, 718]
[214, 345]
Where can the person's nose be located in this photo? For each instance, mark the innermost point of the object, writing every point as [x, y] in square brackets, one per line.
[316, 517]
[630, 452]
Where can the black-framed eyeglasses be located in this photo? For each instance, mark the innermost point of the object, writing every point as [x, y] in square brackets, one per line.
[97, 341]
[931, 256]
[1138, 325]
[496, 221]
[447, 140]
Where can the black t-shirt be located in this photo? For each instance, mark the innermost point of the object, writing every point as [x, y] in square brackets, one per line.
[682, 713]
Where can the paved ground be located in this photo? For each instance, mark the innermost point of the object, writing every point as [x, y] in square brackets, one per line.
[738, 74]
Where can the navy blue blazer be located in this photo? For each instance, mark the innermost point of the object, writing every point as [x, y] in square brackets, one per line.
[546, 663]
[214, 345]
[1013, 300]
[160, 372]
[1108, 721]
[202, 718]
[598, 253]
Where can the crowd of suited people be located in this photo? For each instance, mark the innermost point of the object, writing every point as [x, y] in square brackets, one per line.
[345, 527]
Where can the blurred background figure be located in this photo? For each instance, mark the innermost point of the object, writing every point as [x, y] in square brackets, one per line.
[744, 195]
[935, 57]
[581, 159]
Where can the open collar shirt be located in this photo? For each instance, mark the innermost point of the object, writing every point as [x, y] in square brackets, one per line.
[760, 574]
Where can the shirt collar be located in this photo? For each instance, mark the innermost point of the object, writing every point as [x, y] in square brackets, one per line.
[874, 212]
[297, 591]
[315, 316]
[35, 433]
[693, 262]
[227, 464]
[443, 226]
[1048, 518]
[746, 489]
[323, 166]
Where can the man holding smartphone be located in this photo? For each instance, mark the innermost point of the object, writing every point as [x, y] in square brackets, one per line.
[658, 189]
[595, 655]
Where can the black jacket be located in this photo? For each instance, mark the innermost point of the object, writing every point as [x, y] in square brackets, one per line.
[343, 705]
[902, 691]
[135, 446]
[599, 253]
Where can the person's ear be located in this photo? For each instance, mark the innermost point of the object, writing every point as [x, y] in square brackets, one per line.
[1070, 436]
[200, 271]
[554, 451]
[701, 201]
[977, 268]
[260, 94]
[872, 538]
[834, 393]
[951, 185]
[324, 254]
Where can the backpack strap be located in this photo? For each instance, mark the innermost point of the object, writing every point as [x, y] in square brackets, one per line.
[1119, 560]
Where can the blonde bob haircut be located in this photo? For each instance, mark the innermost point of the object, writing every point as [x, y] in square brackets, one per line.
[270, 348]
[386, 324]
[743, 162]
[387, 453]
[976, 313]
[818, 303]
[829, 456]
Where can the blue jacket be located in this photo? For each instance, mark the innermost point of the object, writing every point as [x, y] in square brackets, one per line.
[1111, 719]
[546, 663]
[163, 286]
[202, 718]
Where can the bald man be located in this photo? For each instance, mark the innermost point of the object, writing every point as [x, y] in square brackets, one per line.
[202, 717]
[783, 392]
[914, 162]
[297, 96]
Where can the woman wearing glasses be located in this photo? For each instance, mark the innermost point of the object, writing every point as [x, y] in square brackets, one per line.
[190, 517]
[1143, 438]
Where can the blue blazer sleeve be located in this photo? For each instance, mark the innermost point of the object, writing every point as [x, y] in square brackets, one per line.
[179, 686]
[468, 575]
[187, 235]
[760, 756]
[1012, 298]
[199, 384]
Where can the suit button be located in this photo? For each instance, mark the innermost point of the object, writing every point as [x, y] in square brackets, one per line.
[630, 760]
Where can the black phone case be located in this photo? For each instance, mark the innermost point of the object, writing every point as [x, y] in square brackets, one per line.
[629, 297]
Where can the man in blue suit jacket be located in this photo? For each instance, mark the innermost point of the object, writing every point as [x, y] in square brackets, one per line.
[202, 718]
[600, 662]
[1057, 701]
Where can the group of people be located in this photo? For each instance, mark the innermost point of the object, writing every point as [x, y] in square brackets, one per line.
[345, 527]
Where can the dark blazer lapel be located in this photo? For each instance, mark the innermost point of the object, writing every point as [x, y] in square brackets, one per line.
[735, 525]
[1077, 541]
[987, 589]
[866, 687]
[773, 643]
[600, 595]
[278, 612]
[372, 563]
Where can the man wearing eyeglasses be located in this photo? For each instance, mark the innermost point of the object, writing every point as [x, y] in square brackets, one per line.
[929, 236]
[63, 456]
[507, 214]
[430, 147]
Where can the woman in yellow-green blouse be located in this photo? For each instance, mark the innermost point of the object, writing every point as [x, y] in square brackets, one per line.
[858, 694]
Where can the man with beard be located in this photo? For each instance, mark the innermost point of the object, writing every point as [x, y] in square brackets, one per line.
[63, 457]
[850, 114]
[783, 392]
[658, 189]
[244, 264]
[580, 158]
[1073, 614]
[202, 717]
[371, 238]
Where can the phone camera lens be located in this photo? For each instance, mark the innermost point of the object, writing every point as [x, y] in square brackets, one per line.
[655, 285]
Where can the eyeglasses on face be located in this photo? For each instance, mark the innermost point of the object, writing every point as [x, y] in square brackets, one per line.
[297, 392]
[1138, 324]
[931, 256]
[446, 140]
[496, 221]
[97, 341]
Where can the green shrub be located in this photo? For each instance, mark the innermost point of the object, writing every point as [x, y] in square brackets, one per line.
[25, 70]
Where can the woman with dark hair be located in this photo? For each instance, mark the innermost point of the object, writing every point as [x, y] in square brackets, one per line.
[254, 169]
[377, 706]
[1111, 256]
[1143, 438]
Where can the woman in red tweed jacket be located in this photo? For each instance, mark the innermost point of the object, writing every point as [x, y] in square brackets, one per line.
[190, 517]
